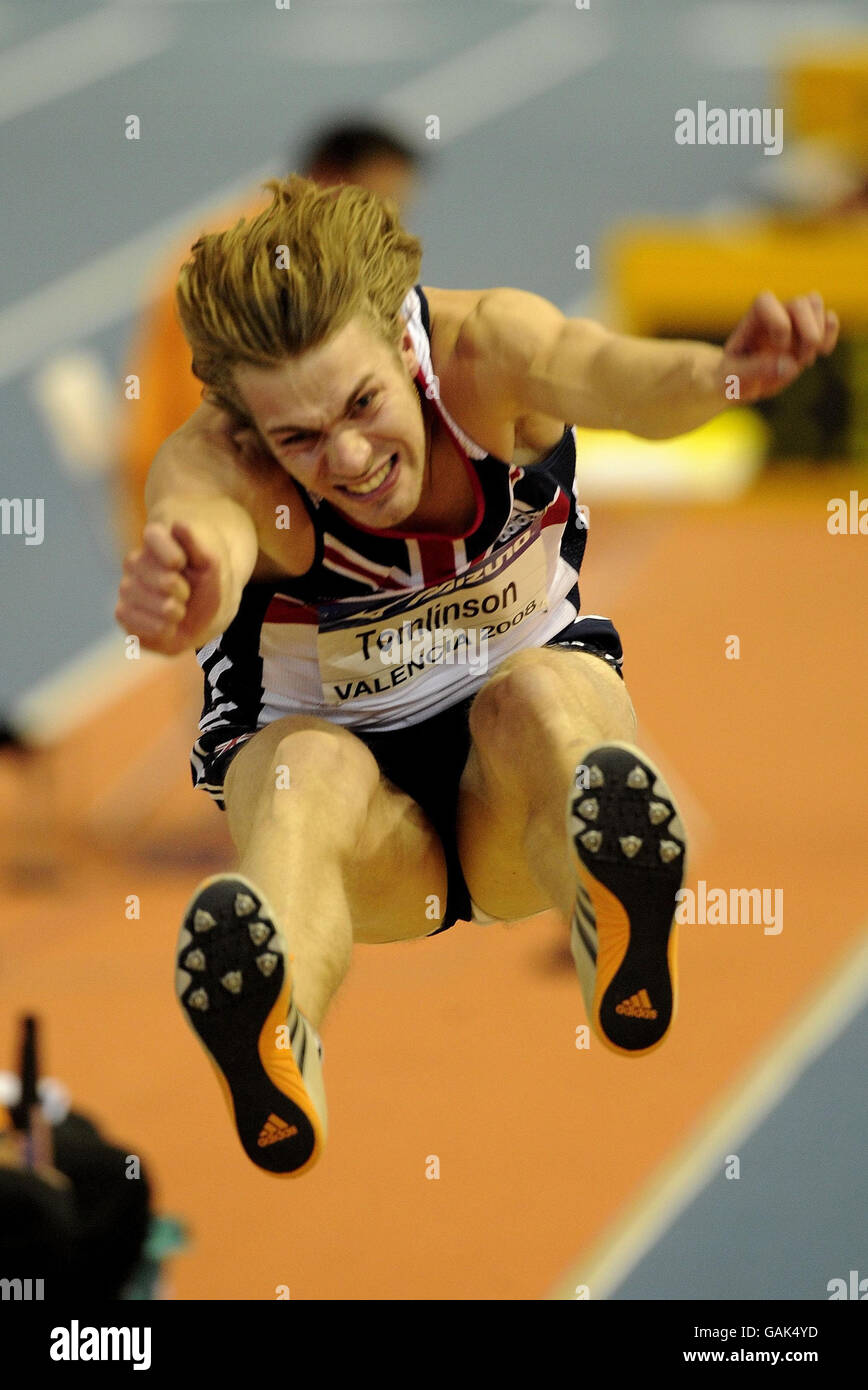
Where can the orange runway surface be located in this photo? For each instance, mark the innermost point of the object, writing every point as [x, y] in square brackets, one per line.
[464, 1046]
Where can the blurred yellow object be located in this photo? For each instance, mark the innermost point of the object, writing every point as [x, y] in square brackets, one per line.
[824, 92]
[699, 276]
[716, 463]
[694, 279]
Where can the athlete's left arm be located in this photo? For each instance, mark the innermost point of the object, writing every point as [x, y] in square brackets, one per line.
[532, 358]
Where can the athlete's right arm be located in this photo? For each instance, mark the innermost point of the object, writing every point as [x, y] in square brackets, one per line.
[182, 586]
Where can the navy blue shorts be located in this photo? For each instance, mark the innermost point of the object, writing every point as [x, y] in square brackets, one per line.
[425, 760]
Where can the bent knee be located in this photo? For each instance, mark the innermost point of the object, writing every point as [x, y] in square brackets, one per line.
[540, 692]
[313, 746]
[521, 688]
[325, 764]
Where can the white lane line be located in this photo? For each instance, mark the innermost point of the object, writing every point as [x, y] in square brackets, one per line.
[106, 289]
[743, 34]
[746, 1104]
[325, 39]
[73, 56]
[79, 404]
[500, 72]
[92, 681]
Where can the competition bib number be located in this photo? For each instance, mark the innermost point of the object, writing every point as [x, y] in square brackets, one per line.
[366, 650]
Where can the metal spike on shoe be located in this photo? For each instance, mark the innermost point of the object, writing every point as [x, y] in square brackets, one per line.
[630, 844]
[576, 825]
[657, 812]
[668, 850]
[259, 932]
[244, 904]
[267, 962]
[232, 981]
[595, 776]
[203, 921]
[637, 779]
[589, 808]
[592, 839]
[194, 960]
[198, 999]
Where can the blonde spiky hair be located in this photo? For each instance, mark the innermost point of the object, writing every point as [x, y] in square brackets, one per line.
[348, 255]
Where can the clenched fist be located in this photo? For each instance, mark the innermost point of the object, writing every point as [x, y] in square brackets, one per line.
[775, 342]
[171, 589]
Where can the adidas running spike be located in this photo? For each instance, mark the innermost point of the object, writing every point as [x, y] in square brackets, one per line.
[630, 849]
[234, 984]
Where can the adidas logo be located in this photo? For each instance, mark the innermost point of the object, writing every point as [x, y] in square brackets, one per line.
[274, 1130]
[637, 1006]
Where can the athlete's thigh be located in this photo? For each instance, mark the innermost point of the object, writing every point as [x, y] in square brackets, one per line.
[398, 863]
[538, 708]
[398, 882]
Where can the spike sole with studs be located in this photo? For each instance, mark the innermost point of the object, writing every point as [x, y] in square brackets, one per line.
[234, 986]
[629, 844]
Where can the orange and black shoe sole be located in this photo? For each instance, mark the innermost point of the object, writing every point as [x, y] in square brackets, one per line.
[235, 987]
[630, 846]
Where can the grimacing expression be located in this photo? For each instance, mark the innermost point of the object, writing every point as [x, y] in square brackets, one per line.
[345, 420]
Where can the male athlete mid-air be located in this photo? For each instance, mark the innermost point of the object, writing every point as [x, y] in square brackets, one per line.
[370, 534]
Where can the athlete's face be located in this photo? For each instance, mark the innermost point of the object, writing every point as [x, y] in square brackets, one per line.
[345, 420]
